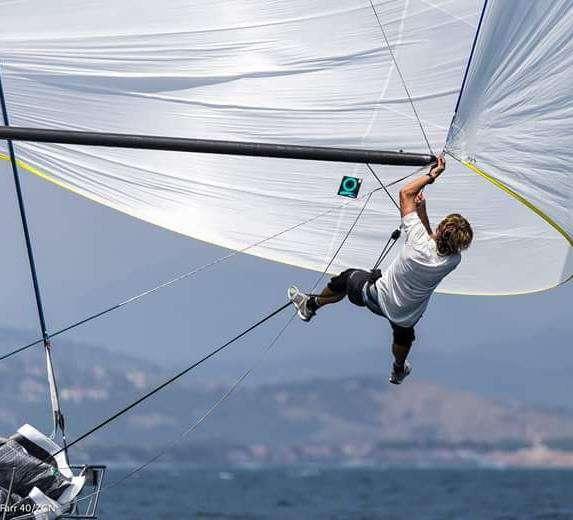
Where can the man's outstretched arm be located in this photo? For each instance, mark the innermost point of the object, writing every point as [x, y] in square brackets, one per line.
[409, 192]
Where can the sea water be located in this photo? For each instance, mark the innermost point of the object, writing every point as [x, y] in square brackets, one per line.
[340, 493]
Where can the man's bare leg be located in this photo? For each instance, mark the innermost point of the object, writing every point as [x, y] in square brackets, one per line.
[326, 297]
[308, 304]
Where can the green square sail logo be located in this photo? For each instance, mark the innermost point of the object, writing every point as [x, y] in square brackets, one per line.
[349, 187]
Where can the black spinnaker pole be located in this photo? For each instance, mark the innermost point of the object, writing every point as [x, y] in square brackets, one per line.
[212, 146]
[58, 417]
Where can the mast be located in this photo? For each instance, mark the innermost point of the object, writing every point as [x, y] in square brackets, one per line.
[181, 144]
[58, 417]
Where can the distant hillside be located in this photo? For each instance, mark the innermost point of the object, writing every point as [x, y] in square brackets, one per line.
[323, 419]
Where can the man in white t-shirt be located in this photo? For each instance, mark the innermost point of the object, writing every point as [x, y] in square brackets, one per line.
[402, 292]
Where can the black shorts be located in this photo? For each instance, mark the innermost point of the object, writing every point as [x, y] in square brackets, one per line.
[351, 282]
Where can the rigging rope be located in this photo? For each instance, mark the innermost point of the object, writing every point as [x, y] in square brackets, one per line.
[386, 186]
[207, 413]
[383, 186]
[170, 282]
[396, 233]
[163, 385]
[243, 376]
[180, 374]
[387, 248]
[227, 344]
[177, 376]
[189, 274]
[402, 79]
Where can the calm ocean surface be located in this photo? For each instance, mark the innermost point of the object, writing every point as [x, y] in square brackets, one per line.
[345, 493]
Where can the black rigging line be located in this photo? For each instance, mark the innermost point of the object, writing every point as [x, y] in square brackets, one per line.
[384, 187]
[402, 79]
[176, 376]
[218, 349]
[393, 239]
[227, 344]
[387, 248]
[247, 373]
[205, 415]
[167, 283]
[188, 274]
[214, 352]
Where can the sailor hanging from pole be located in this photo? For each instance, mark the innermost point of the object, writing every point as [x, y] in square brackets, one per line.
[402, 292]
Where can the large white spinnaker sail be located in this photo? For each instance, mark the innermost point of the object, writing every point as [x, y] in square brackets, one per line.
[299, 72]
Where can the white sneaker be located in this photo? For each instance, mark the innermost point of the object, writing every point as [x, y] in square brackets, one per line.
[397, 376]
[300, 301]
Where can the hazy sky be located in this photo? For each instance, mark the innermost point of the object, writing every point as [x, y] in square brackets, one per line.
[89, 257]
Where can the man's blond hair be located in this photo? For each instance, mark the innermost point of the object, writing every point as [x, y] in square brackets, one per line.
[453, 234]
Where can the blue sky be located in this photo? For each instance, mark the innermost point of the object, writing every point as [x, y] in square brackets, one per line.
[89, 257]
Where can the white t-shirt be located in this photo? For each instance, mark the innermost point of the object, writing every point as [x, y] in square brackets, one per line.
[405, 288]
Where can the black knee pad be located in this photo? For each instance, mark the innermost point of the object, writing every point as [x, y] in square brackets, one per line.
[355, 286]
[403, 335]
[339, 283]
